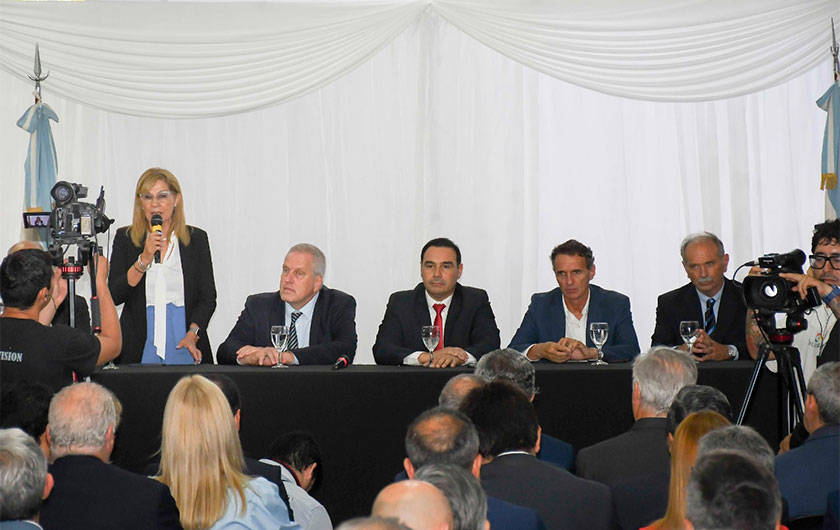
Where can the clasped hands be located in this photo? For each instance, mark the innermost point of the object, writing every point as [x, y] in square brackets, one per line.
[445, 357]
[563, 350]
[263, 356]
[705, 348]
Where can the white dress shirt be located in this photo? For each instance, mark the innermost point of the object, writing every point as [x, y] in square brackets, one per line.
[414, 358]
[304, 322]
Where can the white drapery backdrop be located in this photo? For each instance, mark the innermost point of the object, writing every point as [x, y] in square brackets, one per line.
[437, 134]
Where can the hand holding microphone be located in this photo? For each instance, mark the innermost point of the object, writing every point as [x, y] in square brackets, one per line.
[157, 228]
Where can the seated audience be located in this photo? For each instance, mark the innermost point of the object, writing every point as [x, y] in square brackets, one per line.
[26, 404]
[463, 491]
[509, 438]
[445, 436]
[372, 523]
[202, 463]
[89, 493]
[456, 389]
[730, 490]
[509, 365]
[556, 325]
[808, 473]
[52, 355]
[321, 321]
[24, 481]
[462, 314]
[416, 504]
[657, 377]
[683, 454]
[298, 457]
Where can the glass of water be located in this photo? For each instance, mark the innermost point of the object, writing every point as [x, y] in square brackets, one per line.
[598, 332]
[279, 337]
[688, 331]
[431, 337]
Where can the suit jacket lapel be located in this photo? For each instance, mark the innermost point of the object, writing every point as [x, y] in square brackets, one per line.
[453, 312]
[728, 303]
[558, 313]
[317, 316]
[421, 308]
[595, 314]
[692, 303]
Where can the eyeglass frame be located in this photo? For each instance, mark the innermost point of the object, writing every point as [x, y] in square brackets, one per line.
[161, 196]
[833, 259]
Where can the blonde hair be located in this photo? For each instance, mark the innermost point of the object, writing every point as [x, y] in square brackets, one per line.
[140, 225]
[683, 454]
[201, 457]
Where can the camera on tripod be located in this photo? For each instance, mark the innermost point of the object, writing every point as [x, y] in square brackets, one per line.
[781, 310]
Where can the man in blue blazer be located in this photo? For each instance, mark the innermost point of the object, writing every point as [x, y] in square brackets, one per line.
[556, 325]
[321, 321]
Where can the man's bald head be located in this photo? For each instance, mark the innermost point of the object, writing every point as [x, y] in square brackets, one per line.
[456, 389]
[24, 245]
[418, 505]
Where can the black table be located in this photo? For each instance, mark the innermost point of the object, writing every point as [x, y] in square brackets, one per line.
[359, 415]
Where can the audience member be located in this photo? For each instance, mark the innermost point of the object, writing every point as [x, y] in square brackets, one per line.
[556, 325]
[509, 438]
[463, 491]
[683, 454]
[462, 314]
[89, 493]
[730, 490]
[31, 350]
[416, 504]
[202, 463]
[640, 500]
[456, 389]
[372, 523]
[740, 438]
[24, 481]
[657, 377]
[299, 460]
[444, 436]
[26, 404]
[321, 321]
[808, 473]
[509, 365]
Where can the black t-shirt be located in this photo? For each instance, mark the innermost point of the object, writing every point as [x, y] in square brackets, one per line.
[29, 350]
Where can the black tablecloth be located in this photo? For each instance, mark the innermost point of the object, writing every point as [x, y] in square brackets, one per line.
[359, 415]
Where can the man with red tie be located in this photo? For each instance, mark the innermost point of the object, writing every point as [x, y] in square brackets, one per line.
[462, 314]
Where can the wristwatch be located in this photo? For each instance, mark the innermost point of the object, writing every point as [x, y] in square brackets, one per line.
[733, 352]
[195, 329]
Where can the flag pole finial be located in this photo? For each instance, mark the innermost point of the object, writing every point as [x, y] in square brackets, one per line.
[37, 77]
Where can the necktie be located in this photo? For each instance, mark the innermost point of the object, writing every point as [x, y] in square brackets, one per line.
[293, 342]
[709, 319]
[439, 323]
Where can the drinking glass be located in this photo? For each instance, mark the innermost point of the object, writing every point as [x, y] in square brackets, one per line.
[688, 331]
[431, 337]
[598, 332]
[279, 337]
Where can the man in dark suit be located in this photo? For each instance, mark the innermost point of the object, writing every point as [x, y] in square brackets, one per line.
[462, 314]
[89, 493]
[556, 325]
[715, 302]
[509, 437]
[657, 377]
[321, 321]
[24, 480]
[441, 436]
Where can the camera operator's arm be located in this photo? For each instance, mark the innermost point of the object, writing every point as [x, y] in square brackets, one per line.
[755, 337]
[58, 293]
[110, 339]
[806, 281]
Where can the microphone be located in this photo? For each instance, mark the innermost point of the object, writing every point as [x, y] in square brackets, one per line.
[342, 362]
[157, 226]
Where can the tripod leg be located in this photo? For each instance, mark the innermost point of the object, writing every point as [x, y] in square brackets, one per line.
[759, 364]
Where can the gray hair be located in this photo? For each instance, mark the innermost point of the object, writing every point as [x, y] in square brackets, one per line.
[441, 436]
[23, 473]
[697, 398]
[319, 261]
[463, 491]
[824, 385]
[742, 439]
[372, 523]
[660, 373]
[728, 489]
[456, 389]
[509, 365]
[79, 418]
[702, 236]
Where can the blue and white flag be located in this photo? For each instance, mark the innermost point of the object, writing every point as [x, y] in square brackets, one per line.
[41, 162]
[830, 103]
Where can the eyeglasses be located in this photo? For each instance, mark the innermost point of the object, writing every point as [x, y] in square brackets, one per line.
[162, 196]
[818, 261]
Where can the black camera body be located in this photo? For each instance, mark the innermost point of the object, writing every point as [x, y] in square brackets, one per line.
[75, 223]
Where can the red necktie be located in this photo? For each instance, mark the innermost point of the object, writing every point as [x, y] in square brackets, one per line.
[439, 323]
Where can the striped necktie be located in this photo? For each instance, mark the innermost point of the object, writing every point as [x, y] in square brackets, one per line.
[709, 320]
[293, 342]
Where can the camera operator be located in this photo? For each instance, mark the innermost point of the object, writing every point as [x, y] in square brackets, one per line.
[31, 350]
[58, 312]
[819, 343]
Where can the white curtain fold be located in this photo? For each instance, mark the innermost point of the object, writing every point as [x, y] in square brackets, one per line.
[200, 59]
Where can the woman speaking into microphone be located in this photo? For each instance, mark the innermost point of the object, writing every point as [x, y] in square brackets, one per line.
[162, 271]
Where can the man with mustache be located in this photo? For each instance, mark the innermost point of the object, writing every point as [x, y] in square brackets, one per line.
[711, 299]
